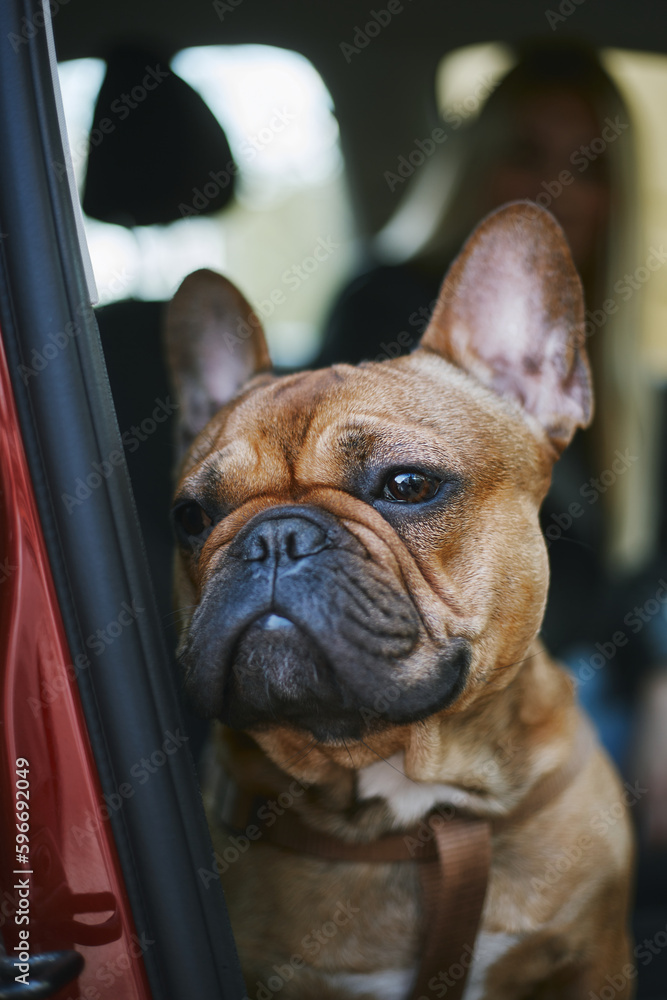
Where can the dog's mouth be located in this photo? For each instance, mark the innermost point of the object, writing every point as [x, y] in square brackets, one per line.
[274, 654]
[299, 627]
[278, 672]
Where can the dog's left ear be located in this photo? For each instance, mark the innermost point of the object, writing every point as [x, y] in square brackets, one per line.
[511, 313]
[214, 344]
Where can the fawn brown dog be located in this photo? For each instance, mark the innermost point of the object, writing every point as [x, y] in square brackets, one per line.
[364, 577]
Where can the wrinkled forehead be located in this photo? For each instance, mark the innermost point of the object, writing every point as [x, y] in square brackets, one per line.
[321, 426]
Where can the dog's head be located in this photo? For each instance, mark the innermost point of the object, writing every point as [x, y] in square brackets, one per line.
[359, 547]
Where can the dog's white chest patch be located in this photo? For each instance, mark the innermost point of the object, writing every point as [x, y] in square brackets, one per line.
[394, 984]
[408, 800]
[488, 949]
[397, 984]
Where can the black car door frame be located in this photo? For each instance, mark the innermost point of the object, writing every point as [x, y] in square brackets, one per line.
[97, 557]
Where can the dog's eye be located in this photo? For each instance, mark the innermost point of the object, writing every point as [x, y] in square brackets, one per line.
[192, 520]
[410, 487]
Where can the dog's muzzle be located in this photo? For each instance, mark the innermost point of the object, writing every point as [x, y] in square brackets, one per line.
[300, 625]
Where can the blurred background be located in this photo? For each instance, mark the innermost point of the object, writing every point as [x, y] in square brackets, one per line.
[293, 186]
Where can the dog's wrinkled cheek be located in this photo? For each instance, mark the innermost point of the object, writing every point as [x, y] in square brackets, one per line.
[438, 685]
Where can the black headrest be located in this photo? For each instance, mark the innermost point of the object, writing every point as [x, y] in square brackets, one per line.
[153, 145]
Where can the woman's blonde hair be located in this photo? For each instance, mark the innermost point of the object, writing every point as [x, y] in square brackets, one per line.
[443, 205]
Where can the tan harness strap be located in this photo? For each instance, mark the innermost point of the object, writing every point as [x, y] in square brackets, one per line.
[453, 864]
[292, 834]
[453, 860]
[453, 892]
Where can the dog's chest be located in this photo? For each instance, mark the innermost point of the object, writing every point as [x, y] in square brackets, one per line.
[396, 984]
[409, 802]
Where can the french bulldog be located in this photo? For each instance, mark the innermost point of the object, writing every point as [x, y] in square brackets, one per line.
[362, 578]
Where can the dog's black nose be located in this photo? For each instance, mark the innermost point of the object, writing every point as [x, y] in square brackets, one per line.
[288, 538]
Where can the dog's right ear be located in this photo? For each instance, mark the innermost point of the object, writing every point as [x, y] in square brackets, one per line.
[214, 344]
[511, 314]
